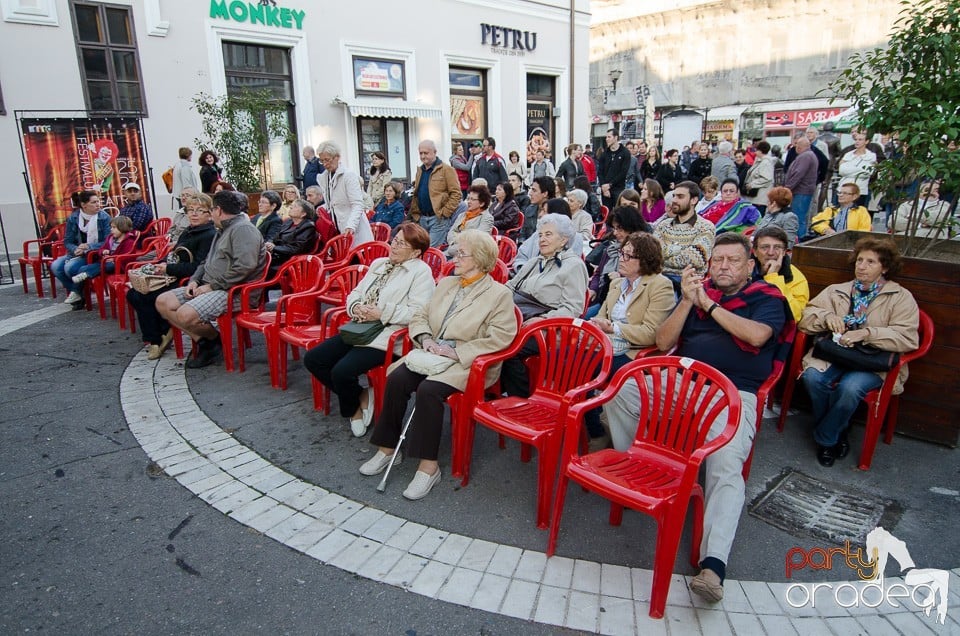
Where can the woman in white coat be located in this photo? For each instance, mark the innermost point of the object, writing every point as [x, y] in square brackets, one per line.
[342, 195]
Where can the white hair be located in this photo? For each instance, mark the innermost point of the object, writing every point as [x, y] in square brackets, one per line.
[328, 148]
[313, 189]
[479, 181]
[724, 147]
[560, 221]
[429, 144]
[579, 195]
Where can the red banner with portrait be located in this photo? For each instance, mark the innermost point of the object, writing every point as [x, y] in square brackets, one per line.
[65, 155]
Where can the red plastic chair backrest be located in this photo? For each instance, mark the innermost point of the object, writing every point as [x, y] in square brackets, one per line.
[343, 281]
[500, 273]
[680, 400]
[302, 273]
[571, 353]
[507, 249]
[158, 227]
[381, 232]
[336, 249]
[366, 253]
[437, 262]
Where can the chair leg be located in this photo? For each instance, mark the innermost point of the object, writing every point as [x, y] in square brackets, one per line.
[546, 470]
[696, 498]
[557, 511]
[890, 421]
[282, 364]
[466, 447]
[241, 354]
[870, 435]
[23, 277]
[37, 279]
[668, 540]
[525, 452]
[226, 339]
[788, 384]
[177, 342]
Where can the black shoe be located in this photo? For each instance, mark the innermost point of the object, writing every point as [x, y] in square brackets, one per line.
[825, 455]
[842, 448]
[210, 350]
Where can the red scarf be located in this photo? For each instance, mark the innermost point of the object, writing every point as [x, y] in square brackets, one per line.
[740, 302]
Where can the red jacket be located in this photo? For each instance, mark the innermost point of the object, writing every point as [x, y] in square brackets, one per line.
[589, 168]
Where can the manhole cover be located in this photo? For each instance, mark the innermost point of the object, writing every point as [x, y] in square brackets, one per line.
[804, 506]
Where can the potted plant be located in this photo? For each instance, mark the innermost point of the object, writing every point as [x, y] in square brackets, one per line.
[911, 90]
[239, 127]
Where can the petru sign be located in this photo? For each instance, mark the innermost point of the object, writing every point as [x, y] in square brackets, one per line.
[265, 12]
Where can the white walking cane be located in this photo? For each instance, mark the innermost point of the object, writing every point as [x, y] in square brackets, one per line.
[403, 435]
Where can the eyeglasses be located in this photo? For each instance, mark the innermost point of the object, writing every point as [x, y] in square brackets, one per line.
[399, 242]
[771, 248]
[473, 198]
[626, 256]
[848, 193]
[462, 255]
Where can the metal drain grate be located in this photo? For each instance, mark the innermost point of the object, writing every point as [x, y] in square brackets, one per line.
[804, 506]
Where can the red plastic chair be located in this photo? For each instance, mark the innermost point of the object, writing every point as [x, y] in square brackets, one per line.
[514, 232]
[507, 249]
[381, 232]
[334, 253]
[657, 475]
[500, 273]
[157, 227]
[882, 405]
[436, 260]
[301, 275]
[574, 358]
[366, 253]
[600, 227]
[305, 336]
[38, 261]
[95, 285]
[117, 282]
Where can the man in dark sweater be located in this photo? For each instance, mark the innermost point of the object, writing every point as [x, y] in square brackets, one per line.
[612, 169]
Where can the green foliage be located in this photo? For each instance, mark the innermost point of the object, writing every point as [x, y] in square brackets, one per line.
[238, 128]
[911, 89]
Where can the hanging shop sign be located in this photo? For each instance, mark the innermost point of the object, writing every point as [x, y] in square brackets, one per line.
[786, 120]
[507, 41]
[539, 126]
[265, 12]
[720, 126]
[67, 155]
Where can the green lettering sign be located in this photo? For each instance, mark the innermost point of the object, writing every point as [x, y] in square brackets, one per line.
[257, 13]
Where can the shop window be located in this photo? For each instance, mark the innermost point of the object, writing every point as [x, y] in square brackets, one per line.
[254, 67]
[541, 99]
[388, 136]
[468, 104]
[109, 61]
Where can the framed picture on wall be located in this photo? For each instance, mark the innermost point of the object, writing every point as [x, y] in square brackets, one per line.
[379, 77]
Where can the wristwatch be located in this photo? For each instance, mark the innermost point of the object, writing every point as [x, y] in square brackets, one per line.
[712, 307]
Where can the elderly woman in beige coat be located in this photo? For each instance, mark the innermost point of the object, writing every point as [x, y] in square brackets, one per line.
[469, 315]
[871, 309]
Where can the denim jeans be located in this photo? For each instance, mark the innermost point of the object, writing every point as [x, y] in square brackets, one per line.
[437, 228]
[835, 394]
[801, 207]
[65, 268]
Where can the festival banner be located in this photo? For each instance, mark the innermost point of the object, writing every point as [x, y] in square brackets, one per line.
[66, 155]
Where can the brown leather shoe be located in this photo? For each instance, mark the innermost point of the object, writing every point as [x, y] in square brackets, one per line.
[707, 586]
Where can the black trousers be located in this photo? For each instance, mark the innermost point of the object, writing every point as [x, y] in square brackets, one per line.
[514, 378]
[152, 324]
[339, 366]
[423, 436]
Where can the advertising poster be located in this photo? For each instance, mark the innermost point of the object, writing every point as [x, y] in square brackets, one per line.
[378, 76]
[466, 117]
[539, 124]
[65, 155]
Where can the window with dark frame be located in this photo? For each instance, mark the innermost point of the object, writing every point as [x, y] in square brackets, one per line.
[468, 104]
[109, 61]
[255, 67]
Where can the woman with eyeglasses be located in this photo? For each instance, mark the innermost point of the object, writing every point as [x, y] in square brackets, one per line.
[640, 299]
[622, 222]
[392, 291]
[268, 219]
[469, 315]
[191, 249]
[476, 217]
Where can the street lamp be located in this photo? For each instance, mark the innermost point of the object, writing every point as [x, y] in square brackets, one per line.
[614, 76]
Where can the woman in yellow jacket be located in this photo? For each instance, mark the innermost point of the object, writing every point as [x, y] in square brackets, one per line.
[843, 217]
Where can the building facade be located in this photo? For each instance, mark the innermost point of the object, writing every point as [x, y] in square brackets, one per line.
[747, 67]
[375, 76]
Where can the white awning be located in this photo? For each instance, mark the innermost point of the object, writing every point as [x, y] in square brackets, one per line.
[726, 113]
[395, 109]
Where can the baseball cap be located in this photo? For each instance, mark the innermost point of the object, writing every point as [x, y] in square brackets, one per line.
[131, 186]
[477, 144]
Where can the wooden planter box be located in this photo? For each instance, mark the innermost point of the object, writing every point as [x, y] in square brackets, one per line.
[930, 404]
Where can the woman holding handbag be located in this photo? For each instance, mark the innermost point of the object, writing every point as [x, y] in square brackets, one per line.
[469, 315]
[191, 249]
[391, 292]
[871, 310]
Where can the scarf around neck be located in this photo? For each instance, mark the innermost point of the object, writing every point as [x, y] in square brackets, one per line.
[89, 226]
[860, 298]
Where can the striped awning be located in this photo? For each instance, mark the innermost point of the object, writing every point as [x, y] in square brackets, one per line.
[394, 109]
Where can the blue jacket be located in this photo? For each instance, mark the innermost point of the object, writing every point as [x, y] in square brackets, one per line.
[311, 169]
[391, 214]
[73, 239]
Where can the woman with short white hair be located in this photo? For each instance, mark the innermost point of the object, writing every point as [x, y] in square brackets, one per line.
[552, 285]
[342, 195]
[581, 219]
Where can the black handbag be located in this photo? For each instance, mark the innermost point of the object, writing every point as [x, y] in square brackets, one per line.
[529, 306]
[357, 334]
[859, 357]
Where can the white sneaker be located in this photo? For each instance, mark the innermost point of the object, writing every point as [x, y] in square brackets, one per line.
[378, 463]
[79, 278]
[357, 427]
[72, 297]
[421, 485]
[367, 413]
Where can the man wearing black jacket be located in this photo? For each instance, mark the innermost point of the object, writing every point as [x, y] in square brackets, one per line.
[612, 169]
[571, 168]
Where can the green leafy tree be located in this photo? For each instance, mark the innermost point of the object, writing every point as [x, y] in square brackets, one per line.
[238, 127]
[911, 90]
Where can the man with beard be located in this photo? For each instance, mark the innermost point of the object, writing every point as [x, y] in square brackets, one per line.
[687, 237]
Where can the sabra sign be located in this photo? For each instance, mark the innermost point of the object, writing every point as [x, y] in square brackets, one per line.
[265, 12]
